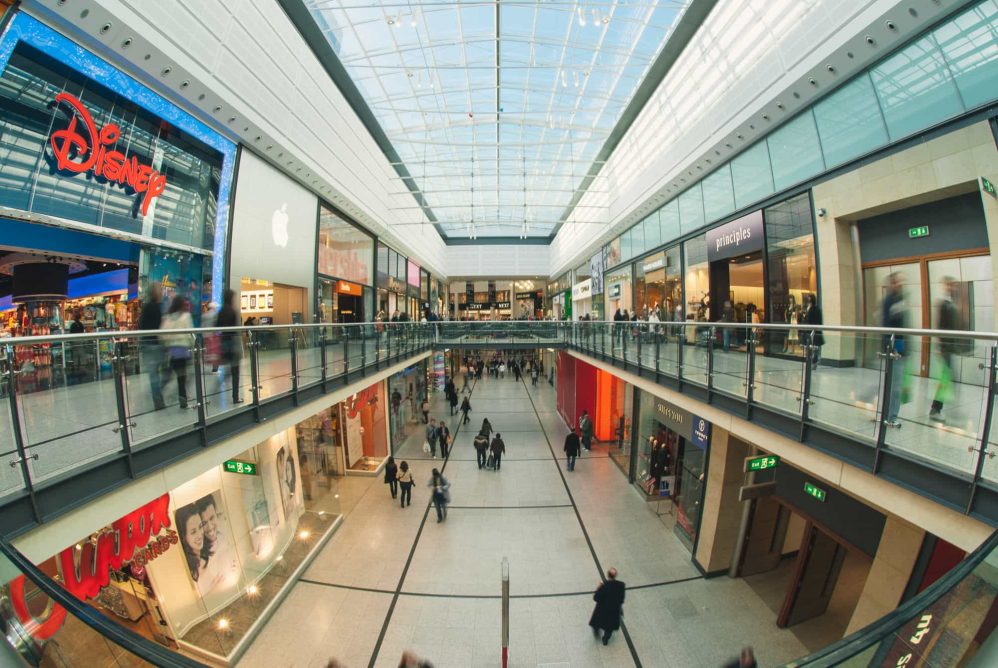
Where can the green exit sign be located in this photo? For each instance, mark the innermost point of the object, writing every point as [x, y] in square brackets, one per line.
[816, 492]
[236, 466]
[988, 187]
[918, 232]
[761, 463]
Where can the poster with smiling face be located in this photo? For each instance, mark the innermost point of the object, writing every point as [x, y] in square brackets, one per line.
[287, 480]
[207, 548]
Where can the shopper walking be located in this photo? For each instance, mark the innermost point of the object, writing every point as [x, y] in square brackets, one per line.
[178, 346]
[443, 438]
[486, 427]
[391, 476]
[465, 409]
[405, 482]
[609, 599]
[426, 409]
[949, 318]
[431, 437]
[452, 400]
[586, 430]
[481, 444]
[533, 374]
[812, 316]
[497, 449]
[232, 342]
[892, 316]
[571, 449]
[441, 494]
[152, 356]
[745, 660]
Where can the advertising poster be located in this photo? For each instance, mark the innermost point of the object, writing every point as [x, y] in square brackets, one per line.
[287, 479]
[208, 551]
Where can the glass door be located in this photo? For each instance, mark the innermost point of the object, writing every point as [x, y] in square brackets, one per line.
[875, 280]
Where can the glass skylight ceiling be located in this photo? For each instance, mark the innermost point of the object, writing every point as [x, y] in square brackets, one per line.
[497, 110]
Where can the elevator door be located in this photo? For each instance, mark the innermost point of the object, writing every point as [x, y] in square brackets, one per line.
[819, 562]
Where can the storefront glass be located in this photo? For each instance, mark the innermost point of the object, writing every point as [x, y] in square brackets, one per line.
[617, 291]
[345, 251]
[697, 282]
[792, 266]
[621, 413]
[406, 391]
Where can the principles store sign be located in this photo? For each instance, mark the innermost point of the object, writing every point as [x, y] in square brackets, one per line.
[87, 149]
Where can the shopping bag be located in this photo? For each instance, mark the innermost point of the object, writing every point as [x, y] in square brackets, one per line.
[426, 447]
[491, 462]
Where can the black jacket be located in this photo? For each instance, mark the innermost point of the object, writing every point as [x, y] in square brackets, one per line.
[150, 318]
[609, 599]
[572, 444]
[497, 447]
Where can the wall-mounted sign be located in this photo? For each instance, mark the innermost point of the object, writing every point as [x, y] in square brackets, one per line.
[484, 306]
[739, 237]
[988, 187]
[348, 288]
[236, 466]
[700, 432]
[673, 417]
[529, 295]
[918, 232]
[583, 290]
[652, 266]
[816, 492]
[761, 463]
[614, 292]
[92, 151]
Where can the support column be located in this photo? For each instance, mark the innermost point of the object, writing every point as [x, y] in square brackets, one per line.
[721, 510]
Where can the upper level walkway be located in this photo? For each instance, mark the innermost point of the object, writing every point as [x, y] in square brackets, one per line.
[90, 421]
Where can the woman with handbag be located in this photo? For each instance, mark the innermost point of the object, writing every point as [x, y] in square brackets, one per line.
[178, 346]
[405, 482]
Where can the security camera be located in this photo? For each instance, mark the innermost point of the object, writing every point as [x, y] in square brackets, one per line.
[822, 213]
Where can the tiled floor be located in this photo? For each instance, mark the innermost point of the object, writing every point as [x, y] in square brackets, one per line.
[393, 579]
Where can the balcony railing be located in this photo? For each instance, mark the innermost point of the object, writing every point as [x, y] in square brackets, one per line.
[75, 403]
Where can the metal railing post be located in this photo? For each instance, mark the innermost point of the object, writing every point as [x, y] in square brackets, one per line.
[363, 352]
[640, 334]
[293, 349]
[711, 334]
[890, 358]
[125, 424]
[750, 375]
[255, 386]
[680, 345]
[10, 374]
[323, 357]
[991, 367]
[805, 390]
[658, 357]
[505, 612]
[346, 358]
[200, 396]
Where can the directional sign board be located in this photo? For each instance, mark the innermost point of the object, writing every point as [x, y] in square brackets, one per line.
[236, 466]
[761, 463]
[816, 492]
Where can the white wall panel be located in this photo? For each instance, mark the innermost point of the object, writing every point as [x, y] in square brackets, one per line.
[505, 261]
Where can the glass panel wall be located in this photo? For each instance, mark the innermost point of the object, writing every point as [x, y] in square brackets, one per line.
[849, 122]
[792, 269]
[752, 175]
[970, 46]
[345, 251]
[795, 152]
[668, 221]
[691, 209]
[718, 196]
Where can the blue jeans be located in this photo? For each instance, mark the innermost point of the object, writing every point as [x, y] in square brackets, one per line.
[571, 462]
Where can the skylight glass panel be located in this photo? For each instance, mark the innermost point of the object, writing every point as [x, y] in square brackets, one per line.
[496, 110]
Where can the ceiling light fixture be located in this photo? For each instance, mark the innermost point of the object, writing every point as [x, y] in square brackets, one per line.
[582, 17]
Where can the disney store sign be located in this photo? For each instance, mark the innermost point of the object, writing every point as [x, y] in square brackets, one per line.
[81, 147]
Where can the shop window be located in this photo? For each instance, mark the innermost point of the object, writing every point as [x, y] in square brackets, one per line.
[752, 175]
[915, 89]
[718, 194]
[626, 249]
[849, 122]
[652, 231]
[792, 268]
[795, 152]
[691, 209]
[970, 45]
[697, 281]
[345, 251]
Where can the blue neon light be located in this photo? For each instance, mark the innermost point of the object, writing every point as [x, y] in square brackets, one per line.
[24, 28]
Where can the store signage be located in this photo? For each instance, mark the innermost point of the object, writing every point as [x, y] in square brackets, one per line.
[348, 288]
[700, 433]
[739, 237]
[918, 232]
[528, 295]
[86, 567]
[673, 417]
[652, 266]
[484, 306]
[988, 187]
[236, 466]
[814, 491]
[614, 291]
[583, 290]
[761, 463]
[92, 152]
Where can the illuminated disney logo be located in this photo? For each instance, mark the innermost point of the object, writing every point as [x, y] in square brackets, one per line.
[90, 151]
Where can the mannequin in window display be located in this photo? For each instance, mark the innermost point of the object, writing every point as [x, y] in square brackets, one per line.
[792, 317]
[654, 471]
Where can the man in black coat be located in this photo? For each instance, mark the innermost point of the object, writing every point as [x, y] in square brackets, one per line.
[609, 599]
[572, 445]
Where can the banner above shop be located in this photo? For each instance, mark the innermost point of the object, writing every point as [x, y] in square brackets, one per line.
[597, 264]
[686, 424]
[583, 290]
[739, 237]
[484, 306]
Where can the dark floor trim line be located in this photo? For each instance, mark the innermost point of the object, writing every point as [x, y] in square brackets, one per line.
[582, 525]
[555, 505]
[412, 553]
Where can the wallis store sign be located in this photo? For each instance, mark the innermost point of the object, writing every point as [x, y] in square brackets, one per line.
[86, 568]
[81, 148]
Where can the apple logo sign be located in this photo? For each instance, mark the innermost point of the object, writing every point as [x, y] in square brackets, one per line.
[279, 226]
